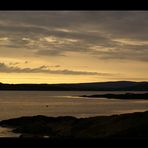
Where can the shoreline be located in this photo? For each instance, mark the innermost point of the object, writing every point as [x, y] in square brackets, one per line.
[131, 125]
[129, 96]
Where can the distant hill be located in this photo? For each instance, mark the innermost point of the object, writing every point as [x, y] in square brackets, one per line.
[97, 86]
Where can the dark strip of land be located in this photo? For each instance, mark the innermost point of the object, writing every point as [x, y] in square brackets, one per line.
[97, 86]
[132, 125]
[120, 96]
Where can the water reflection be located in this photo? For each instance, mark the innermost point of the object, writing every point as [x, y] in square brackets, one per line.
[61, 103]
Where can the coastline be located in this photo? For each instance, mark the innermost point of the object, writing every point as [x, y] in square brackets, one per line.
[131, 96]
[131, 125]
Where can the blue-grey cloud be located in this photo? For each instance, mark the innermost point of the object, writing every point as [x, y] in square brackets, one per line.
[117, 34]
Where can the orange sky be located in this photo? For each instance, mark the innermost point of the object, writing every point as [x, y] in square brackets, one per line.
[73, 47]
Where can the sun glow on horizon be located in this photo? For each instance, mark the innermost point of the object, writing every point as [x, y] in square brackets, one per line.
[73, 46]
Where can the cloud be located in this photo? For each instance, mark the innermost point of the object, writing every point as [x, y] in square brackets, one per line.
[130, 52]
[13, 63]
[116, 34]
[44, 69]
[55, 66]
[26, 62]
[49, 52]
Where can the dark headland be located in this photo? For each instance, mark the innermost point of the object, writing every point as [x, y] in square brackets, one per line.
[132, 125]
[94, 86]
[131, 96]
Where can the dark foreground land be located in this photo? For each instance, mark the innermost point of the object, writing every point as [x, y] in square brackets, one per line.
[133, 125]
[119, 96]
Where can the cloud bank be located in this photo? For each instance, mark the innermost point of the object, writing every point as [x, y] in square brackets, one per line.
[105, 35]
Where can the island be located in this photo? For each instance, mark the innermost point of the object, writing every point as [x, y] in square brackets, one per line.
[131, 125]
[119, 96]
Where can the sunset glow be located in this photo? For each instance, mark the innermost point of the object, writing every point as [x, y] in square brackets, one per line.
[73, 46]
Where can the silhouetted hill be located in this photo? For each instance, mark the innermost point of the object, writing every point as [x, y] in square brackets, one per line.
[100, 86]
[133, 125]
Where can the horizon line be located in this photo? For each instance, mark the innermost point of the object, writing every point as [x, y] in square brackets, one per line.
[75, 83]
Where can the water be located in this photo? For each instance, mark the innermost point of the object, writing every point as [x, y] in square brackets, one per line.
[62, 103]
[7, 132]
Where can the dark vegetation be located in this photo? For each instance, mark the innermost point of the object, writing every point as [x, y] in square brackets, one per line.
[133, 125]
[120, 96]
[100, 86]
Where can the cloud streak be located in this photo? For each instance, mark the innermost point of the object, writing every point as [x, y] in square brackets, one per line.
[44, 69]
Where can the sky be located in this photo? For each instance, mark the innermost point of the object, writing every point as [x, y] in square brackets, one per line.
[73, 46]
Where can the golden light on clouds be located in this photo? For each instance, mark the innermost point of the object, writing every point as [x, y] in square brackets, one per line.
[131, 42]
[73, 47]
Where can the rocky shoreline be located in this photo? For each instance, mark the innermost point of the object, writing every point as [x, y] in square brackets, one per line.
[132, 125]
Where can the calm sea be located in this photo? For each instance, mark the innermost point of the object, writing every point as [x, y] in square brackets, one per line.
[62, 103]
